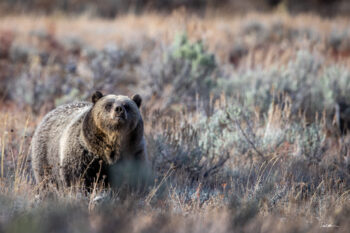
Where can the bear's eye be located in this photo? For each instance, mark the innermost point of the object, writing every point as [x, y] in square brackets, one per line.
[108, 106]
[127, 107]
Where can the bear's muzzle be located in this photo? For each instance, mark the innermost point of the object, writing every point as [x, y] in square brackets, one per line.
[120, 112]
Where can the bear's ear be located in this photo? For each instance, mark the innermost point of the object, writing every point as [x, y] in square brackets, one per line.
[96, 96]
[137, 99]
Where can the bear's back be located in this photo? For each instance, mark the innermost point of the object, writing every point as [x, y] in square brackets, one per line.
[62, 116]
[46, 139]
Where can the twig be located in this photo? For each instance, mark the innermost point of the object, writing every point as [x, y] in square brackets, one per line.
[3, 148]
[154, 190]
[95, 186]
[216, 166]
[246, 137]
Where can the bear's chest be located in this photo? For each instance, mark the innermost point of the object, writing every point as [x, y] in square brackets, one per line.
[94, 169]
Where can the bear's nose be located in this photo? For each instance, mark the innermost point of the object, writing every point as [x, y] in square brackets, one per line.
[119, 110]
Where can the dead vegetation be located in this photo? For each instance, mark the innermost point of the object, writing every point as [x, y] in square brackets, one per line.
[245, 128]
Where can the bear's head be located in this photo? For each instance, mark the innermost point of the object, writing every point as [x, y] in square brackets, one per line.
[116, 113]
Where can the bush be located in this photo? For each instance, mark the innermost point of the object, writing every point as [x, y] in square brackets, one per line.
[311, 88]
[184, 71]
[49, 82]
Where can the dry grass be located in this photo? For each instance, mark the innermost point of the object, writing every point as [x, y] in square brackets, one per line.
[270, 161]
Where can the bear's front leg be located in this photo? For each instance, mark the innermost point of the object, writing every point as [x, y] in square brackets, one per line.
[70, 173]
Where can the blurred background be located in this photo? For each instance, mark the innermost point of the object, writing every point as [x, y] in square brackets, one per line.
[112, 8]
[246, 107]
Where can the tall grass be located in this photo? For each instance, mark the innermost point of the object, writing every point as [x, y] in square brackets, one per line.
[3, 149]
[243, 122]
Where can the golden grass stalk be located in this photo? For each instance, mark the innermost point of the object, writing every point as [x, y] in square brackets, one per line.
[3, 148]
[94, 191]
[22, 158]
[155, 189]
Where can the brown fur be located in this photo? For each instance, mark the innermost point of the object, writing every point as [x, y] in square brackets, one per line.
[76, 141]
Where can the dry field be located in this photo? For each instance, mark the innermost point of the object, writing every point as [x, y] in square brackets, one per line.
[245, 120]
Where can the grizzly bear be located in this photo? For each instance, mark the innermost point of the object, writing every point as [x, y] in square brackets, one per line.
[79, 142]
